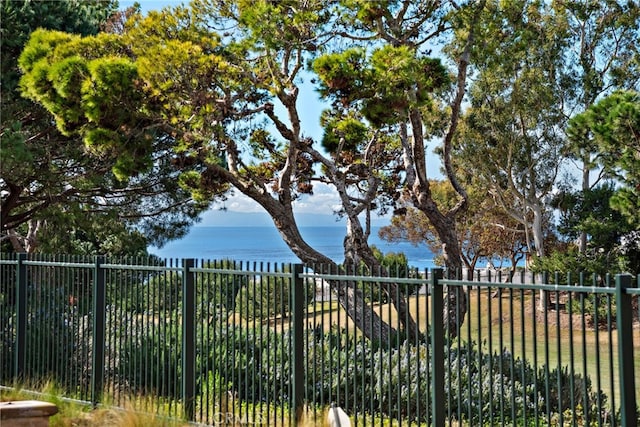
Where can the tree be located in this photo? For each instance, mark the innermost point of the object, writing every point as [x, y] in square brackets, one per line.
[89, 235]
[208, 78]
[545, 63]
[392, 90]
[602, 56]
[47, 176]
[514, 125]
[590, 213]
[486, 232]
[613, 126]
[223, 289]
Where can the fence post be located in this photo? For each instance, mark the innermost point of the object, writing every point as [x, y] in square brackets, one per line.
[437, 348]
[188, 338]
[99, 321]
[624, 323]
[21, 318]
[297, 369]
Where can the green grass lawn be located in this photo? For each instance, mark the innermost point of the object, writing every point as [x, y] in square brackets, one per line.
[554, 338]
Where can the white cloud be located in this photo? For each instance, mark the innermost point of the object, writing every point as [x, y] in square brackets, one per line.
[324, 200]
[311, 209]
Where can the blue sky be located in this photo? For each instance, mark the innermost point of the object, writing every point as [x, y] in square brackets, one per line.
[150, 4]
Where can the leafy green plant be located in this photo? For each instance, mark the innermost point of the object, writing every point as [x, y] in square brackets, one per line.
[150, 361]
[268, 297]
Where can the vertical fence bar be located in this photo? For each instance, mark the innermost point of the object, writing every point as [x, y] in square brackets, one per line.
[297, 300]
[188, 338]
[437, 350]
[99, 320]
[625, 351]
[21, 318]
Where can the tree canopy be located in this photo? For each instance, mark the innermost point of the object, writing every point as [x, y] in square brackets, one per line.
[613, 126]
[221, 81]
[47, 174]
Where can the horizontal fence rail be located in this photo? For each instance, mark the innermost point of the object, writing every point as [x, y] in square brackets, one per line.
[233, 343]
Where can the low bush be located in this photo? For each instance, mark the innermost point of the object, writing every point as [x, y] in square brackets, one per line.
[480, 388]
[150, 361]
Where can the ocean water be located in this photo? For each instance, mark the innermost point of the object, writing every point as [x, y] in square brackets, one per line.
[265, 244]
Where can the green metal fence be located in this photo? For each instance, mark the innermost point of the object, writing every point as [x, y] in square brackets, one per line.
[231, 343]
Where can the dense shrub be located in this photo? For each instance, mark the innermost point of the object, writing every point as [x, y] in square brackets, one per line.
[221, 288]
[348, 371]
[150, 361]
[396, 265]
[56, 346]
[268, 296]
[255, 363]
[599, 310]
[161, 292]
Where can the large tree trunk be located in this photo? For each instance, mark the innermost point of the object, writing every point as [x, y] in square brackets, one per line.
[586, 185]
[357, 249]
[418, 183]
[538, 241]
[28, 243]
[349, 297]
[455, 305]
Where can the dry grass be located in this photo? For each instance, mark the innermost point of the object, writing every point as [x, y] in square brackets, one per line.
[77, 414]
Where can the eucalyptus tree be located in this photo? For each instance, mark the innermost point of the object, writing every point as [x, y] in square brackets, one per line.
[47, 177]
[514, 127]
[545, 62]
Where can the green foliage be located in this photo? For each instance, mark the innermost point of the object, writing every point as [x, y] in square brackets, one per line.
[630, 250]
[220, 290]
[14, 151]
[571, 260]
[94, 235]
[592, 212]
[56, 334]
[345, 370]
[396, 265]
[195, 183]
[613, 124]
[253, 362]
[599, 310]
[21, 18]
[150, 360]
[343, 74]
[90, 94]
[111, 78]
[161, 293]
[268, 297]
[343, 134]
[381, 84]
[62, 183]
